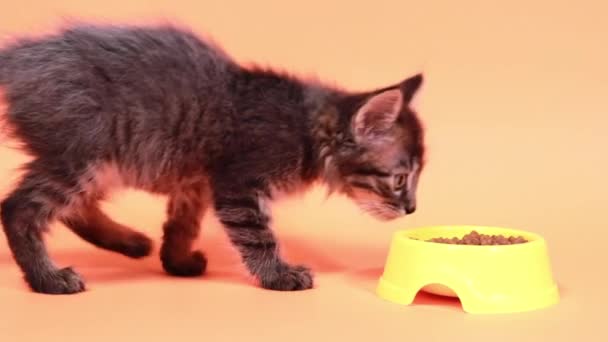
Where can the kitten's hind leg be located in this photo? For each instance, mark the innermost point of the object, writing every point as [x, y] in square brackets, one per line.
[25, 215]
[91, 224]
[185, 211]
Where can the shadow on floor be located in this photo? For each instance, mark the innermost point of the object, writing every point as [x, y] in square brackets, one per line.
[224, 264]
[367, 279]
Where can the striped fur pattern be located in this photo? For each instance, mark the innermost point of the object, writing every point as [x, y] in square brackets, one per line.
[161, 110]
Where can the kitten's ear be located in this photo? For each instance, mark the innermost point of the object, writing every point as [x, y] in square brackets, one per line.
[378, 114]
[410, 86]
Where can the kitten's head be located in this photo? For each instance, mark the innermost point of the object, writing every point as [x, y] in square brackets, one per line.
[381, 153]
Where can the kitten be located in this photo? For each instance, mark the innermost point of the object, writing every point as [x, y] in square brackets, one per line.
[158, 109]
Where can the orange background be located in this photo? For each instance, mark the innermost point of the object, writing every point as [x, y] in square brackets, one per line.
[515, 102]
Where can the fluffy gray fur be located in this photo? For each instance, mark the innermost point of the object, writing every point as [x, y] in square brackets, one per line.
[161, 110]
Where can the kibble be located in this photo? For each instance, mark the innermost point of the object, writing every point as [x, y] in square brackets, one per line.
[474, 238]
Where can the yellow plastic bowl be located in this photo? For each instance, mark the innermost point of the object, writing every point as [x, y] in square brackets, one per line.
[486, 279]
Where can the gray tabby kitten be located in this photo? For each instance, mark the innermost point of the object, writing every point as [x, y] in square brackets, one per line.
[158, 109]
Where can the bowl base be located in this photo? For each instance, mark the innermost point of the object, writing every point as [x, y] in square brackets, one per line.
[440, 290]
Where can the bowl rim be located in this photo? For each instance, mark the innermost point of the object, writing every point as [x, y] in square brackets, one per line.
[405, 236]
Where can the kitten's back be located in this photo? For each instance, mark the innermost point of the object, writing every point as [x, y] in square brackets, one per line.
[124, 51]
[96, 91]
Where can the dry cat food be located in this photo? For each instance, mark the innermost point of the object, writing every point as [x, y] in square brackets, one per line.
[474, 238]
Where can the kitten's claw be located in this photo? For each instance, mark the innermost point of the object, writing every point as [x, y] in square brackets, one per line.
[288, 278]
[192, 265]
[63, 281]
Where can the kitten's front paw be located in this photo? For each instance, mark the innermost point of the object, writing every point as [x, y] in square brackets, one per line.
[288, 278]
[63, 281]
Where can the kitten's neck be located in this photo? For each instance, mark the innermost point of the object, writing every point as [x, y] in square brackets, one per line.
[326, 131]
[315, 100]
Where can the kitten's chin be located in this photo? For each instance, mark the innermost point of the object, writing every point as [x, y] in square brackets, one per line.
[388, 217]
[381, 213]
[374, 207]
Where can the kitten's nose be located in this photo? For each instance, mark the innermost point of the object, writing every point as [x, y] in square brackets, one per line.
[410, 202]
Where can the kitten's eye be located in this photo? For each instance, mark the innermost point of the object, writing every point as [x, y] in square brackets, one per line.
[399, 181]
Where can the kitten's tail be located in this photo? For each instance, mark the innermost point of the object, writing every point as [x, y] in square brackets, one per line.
[4, 130]
[2, 66]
